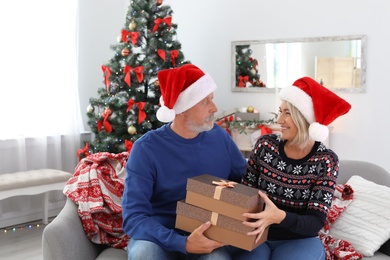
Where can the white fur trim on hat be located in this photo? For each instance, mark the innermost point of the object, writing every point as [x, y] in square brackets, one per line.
[197, 91]
[299, 99]
[318, 132]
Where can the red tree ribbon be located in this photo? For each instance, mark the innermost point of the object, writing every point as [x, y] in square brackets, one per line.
[243, 81]
[133, 36]
[128, 145]
[99, 125]
[174, 55]
[130, 104]
[107, 126]
[127, 70]
[83, 151]
[138, 72]
[107, 73]
[141, 112]
[161, 53]
[158, 21]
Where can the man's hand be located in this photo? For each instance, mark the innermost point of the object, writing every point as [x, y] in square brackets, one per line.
[197, 243]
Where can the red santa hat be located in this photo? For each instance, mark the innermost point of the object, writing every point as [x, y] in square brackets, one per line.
[318, 105]
[181, 89]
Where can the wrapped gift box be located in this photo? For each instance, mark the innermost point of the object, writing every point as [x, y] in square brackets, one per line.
[230, 201]
[223, 229]
[210, 198]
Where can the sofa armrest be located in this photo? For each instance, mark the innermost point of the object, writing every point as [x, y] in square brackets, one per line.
[385, 248]
[64, 238]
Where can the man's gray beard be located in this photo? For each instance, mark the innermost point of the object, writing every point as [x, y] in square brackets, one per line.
[198, 128]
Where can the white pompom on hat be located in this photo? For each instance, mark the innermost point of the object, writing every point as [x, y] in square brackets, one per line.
[181, 89]
[318, 105]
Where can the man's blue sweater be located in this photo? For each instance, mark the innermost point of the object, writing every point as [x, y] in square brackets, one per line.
[158, 167]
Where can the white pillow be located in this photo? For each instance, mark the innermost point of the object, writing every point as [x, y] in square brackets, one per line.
[365, 223]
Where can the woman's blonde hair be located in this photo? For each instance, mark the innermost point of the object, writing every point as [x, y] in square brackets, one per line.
[302, 137]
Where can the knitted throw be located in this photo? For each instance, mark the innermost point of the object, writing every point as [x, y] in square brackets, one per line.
[97, 187]
[336, 248]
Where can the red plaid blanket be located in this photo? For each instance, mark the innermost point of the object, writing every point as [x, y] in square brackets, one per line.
[97, 187]
[337, 249]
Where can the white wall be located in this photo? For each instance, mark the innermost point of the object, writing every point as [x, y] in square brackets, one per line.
[100, 23]
[206, 29]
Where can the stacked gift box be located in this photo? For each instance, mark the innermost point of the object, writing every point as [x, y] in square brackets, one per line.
[222, 202]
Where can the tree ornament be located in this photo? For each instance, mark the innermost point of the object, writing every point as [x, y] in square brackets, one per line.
[132, 130]
[250, 109]
[159, 2]
[125, 52]
[132, 25]
[90, 108]
[119, 38]
[253, 72]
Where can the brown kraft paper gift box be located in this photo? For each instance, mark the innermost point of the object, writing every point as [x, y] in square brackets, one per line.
[210, 199]
[230, 201]
[223, 229]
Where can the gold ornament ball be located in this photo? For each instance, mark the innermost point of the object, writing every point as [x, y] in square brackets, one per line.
[132, 130]
[250, 109]
[132, 25]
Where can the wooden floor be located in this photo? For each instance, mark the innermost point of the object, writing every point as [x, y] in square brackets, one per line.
[21, 242]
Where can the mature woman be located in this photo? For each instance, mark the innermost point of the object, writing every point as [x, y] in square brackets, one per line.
[296, 173]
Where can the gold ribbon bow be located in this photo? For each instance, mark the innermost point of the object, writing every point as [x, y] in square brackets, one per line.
[220, 185]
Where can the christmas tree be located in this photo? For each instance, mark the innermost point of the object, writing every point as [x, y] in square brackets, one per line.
[128, 101]
[246, 68]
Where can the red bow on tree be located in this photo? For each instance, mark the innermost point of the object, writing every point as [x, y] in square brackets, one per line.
[243, 81]
[107, 73]
[158, 21]
[174, 55]
[128, 145]
[138, 72]
[133, 36]
[82, 153]
[130, 104]
[106, 124]
[141, 111]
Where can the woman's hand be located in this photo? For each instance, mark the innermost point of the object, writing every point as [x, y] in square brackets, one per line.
[270, 215]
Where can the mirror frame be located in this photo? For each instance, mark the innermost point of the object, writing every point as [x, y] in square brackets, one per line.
[360, 89]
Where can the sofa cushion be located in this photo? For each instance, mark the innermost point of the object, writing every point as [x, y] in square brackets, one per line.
[365, 223]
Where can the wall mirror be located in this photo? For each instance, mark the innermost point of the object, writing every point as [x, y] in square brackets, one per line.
[337, 62]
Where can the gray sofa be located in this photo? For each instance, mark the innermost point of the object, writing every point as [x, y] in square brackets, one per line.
[64, 237]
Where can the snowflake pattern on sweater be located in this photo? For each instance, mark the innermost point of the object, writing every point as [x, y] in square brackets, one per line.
[303, 188]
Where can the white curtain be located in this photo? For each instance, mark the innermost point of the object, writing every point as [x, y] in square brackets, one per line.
[40, 118]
